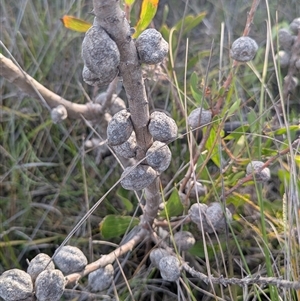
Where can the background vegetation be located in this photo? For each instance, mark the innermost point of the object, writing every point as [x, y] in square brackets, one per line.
[48, 179]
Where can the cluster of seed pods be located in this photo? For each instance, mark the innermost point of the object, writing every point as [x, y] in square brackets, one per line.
[287, 38]
[46, 280]
[101, 60]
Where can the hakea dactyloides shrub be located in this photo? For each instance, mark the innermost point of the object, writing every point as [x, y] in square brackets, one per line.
[110, 53]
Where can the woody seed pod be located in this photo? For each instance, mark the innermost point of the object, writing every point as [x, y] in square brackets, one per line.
[49, 285]
[151, 46]
[243, 49]
[101, 279]
[197, 212]
[156, 255]
[292, 83]
[295, 26]
[100, 55]
[128, 148]
[59, 114]
[119, 128]
[159, 156]
[215, 217]
[284, 58]
[90, 78]
[285, 39]
[199, 117]
[169, 267]
[194, 189]
[162, 127]
[38, 264]
[184, 240]
[139, 178]
[70, 260]
[15, 285]
[254, 166]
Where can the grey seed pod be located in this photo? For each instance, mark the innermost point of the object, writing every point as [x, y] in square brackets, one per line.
[285, 39]
[284, 58]
[185, 201]
[243, 49]
[292, 83]
[139, 178]
[128, 148]
[119, 128]
[90, 78]
[70, 260]
[295, 26]
[100, 54]
[15, 285]
[184, 240]
[101, 279]
[197, 214]
[156, 255]
[261, 176]
[221, 225]
[38, 264]
[158, 156]
[162, 127]
[49, 285]
[215, 217]
[151, 46]
[169, 267]
[195, 189]
[117, 103]
[199, 117]
[59, 114]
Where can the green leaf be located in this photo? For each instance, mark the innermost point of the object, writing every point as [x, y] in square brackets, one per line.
[173, 206]
[115, 225]
[126, 203]
[210, 143]
[196, 93]
[148, 11]
[234, 107]
[129, 2]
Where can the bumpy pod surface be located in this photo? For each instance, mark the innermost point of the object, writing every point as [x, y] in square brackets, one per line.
[15, 285]
[197, 213]
[295, 26]
[70, 260]
[243, 49]
[128, 148]
[199, 117]
[151, 46]
[285, 39]
[261, 176]
[169, 267]
[100, 55]
[139, 178]
[184, 240]
[101, 279]
[158, 156]
[119, 128]
[162, 127]
[215, 217]
[90, 78]
[156, 255]
[49, 285]
[38, 264]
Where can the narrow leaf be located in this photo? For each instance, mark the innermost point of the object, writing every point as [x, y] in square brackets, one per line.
[115, 225]
[129, 2]
[148, 11]
[75, 24]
